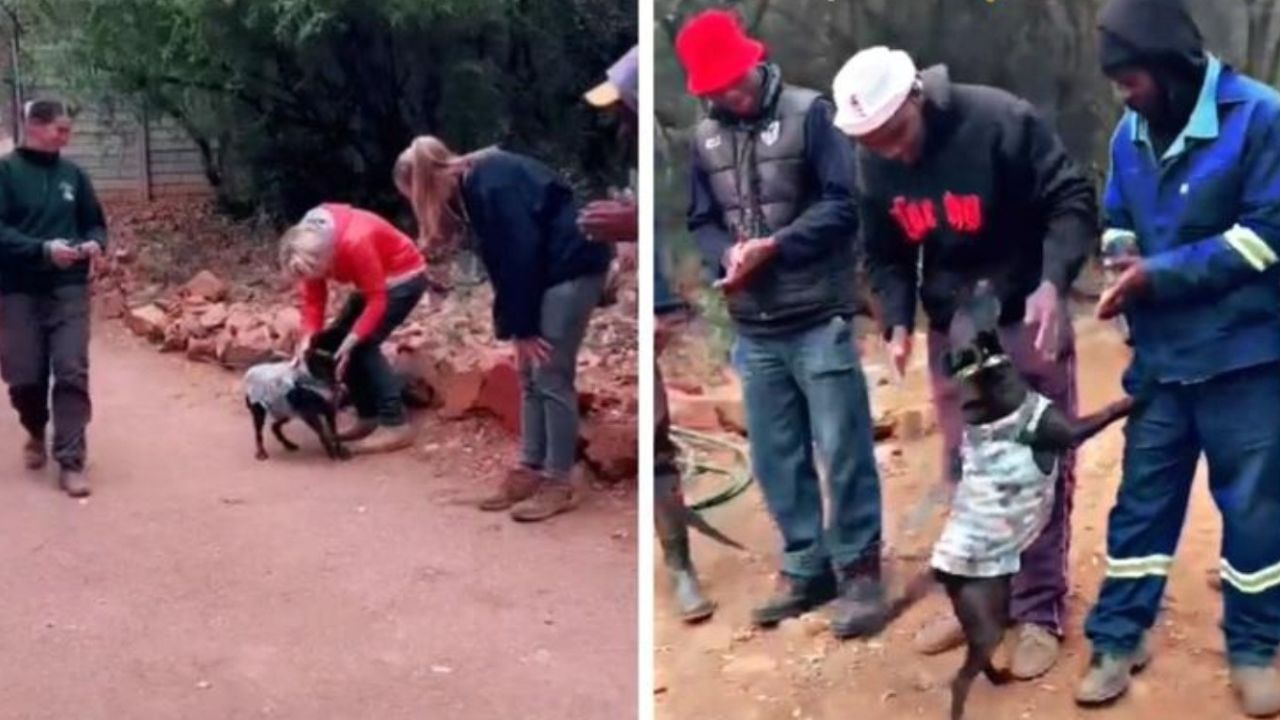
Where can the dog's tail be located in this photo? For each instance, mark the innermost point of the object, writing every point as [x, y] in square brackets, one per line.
[699, 523]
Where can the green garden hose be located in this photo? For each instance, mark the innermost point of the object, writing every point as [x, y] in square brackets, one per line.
[690, 443]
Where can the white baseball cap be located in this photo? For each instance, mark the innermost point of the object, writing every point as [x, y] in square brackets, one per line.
[870, 88]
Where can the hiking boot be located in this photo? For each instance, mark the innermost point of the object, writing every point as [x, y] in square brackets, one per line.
[519, 484]
[384, 439]
[940, 633]
[796, 597]
[1258, 689]
[35, 454]
[860, 609]
[1109, 675]
[1214, 579]
[73, 483]
[551, 499]
[1035, 651]
[361, 429]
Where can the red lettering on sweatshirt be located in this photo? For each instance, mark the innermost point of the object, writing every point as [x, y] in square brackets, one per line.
[917, 218]
[964, 212]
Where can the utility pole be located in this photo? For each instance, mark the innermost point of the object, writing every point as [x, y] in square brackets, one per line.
[15, 31]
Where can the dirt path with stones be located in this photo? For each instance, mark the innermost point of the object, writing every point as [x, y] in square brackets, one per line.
[724, 670]
[199, 583]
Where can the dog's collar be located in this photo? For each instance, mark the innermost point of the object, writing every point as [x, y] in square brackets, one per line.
[991, 361]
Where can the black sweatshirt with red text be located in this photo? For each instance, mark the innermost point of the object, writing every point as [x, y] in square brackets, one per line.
[994, 196]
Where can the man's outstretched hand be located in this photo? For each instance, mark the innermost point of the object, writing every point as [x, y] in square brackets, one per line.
[610, 221]
[744, 260]
[1132, 280]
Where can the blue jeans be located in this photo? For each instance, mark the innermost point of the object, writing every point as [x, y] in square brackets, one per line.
[375, 387]
[1234, 420]
[802, 390]
[549, 407]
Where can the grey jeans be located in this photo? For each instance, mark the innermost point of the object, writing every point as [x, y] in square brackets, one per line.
[44, 337]
[549, 408]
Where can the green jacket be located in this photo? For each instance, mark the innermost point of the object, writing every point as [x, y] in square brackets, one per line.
[44, 197]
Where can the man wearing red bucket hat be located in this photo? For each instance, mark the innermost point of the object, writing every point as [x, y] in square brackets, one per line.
[772, 210]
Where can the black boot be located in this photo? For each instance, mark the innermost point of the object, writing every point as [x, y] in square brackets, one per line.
[673, 533]
[797, 597]
[694, 606]
[860, 611]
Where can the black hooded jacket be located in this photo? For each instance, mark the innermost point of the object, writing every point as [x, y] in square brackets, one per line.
[994, 196]
[1161, 37]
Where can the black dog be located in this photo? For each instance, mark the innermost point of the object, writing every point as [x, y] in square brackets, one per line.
[285, 391]
[992, 390]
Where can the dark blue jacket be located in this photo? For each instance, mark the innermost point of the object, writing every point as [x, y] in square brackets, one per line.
[1207, 221]
[525, 221]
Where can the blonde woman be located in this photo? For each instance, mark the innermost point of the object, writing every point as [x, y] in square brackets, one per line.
[356, 247]
[547, 278]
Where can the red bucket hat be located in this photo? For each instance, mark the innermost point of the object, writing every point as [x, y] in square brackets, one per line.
[716, 52]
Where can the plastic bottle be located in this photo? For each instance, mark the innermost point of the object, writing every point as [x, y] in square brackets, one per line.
[1122, 247]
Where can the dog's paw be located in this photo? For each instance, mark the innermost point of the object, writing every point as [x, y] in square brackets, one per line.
[291, 448]
[342, 454]
[261, 455]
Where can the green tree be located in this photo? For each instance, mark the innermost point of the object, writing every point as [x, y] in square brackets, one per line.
[296, 101]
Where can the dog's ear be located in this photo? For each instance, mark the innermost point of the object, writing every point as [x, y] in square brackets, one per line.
[984, 306]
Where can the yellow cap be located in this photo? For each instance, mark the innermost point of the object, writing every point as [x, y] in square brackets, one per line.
[603, 95]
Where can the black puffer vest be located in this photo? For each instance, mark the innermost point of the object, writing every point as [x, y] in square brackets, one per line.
[758, 175]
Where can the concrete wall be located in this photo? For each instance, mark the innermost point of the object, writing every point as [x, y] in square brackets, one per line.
[125, 153]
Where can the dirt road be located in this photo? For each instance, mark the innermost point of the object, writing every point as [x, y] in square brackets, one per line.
[724, 670]
[199, 583]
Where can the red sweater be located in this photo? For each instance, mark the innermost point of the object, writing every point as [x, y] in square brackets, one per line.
[369, 251]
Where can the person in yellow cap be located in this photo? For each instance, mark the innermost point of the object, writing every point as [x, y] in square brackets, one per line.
[615, 220]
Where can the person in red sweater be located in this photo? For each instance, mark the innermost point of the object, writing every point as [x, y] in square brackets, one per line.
[359, 248]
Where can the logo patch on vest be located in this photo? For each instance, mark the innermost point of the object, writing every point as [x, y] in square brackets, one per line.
[771, 133]
[68, 192]
[713, 142]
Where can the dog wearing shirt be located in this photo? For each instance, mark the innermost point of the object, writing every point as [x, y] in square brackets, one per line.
[1014, 440]
[286, 390]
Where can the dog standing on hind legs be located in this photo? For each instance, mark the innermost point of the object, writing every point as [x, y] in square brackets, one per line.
[1014, 440]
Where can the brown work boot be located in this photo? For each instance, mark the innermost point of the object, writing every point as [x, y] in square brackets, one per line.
[384, 439]
[35, 454]
[73, 483]
[519, 484]
[940, 633]
[1035, 651]
[551, 499]
[1258, 689]
[359, 430]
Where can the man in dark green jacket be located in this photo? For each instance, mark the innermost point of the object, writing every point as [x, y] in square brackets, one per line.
[52, 229]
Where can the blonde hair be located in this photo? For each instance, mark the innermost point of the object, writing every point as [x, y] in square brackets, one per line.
[428, 174]
[305, 253]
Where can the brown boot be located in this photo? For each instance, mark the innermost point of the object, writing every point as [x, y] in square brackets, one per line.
[73, 483]
[1035, 653]
[552, 498]
[1258, 689]
[939, 634]
[361, 429]
[384, 439]
[520, 484]
[34, 453]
